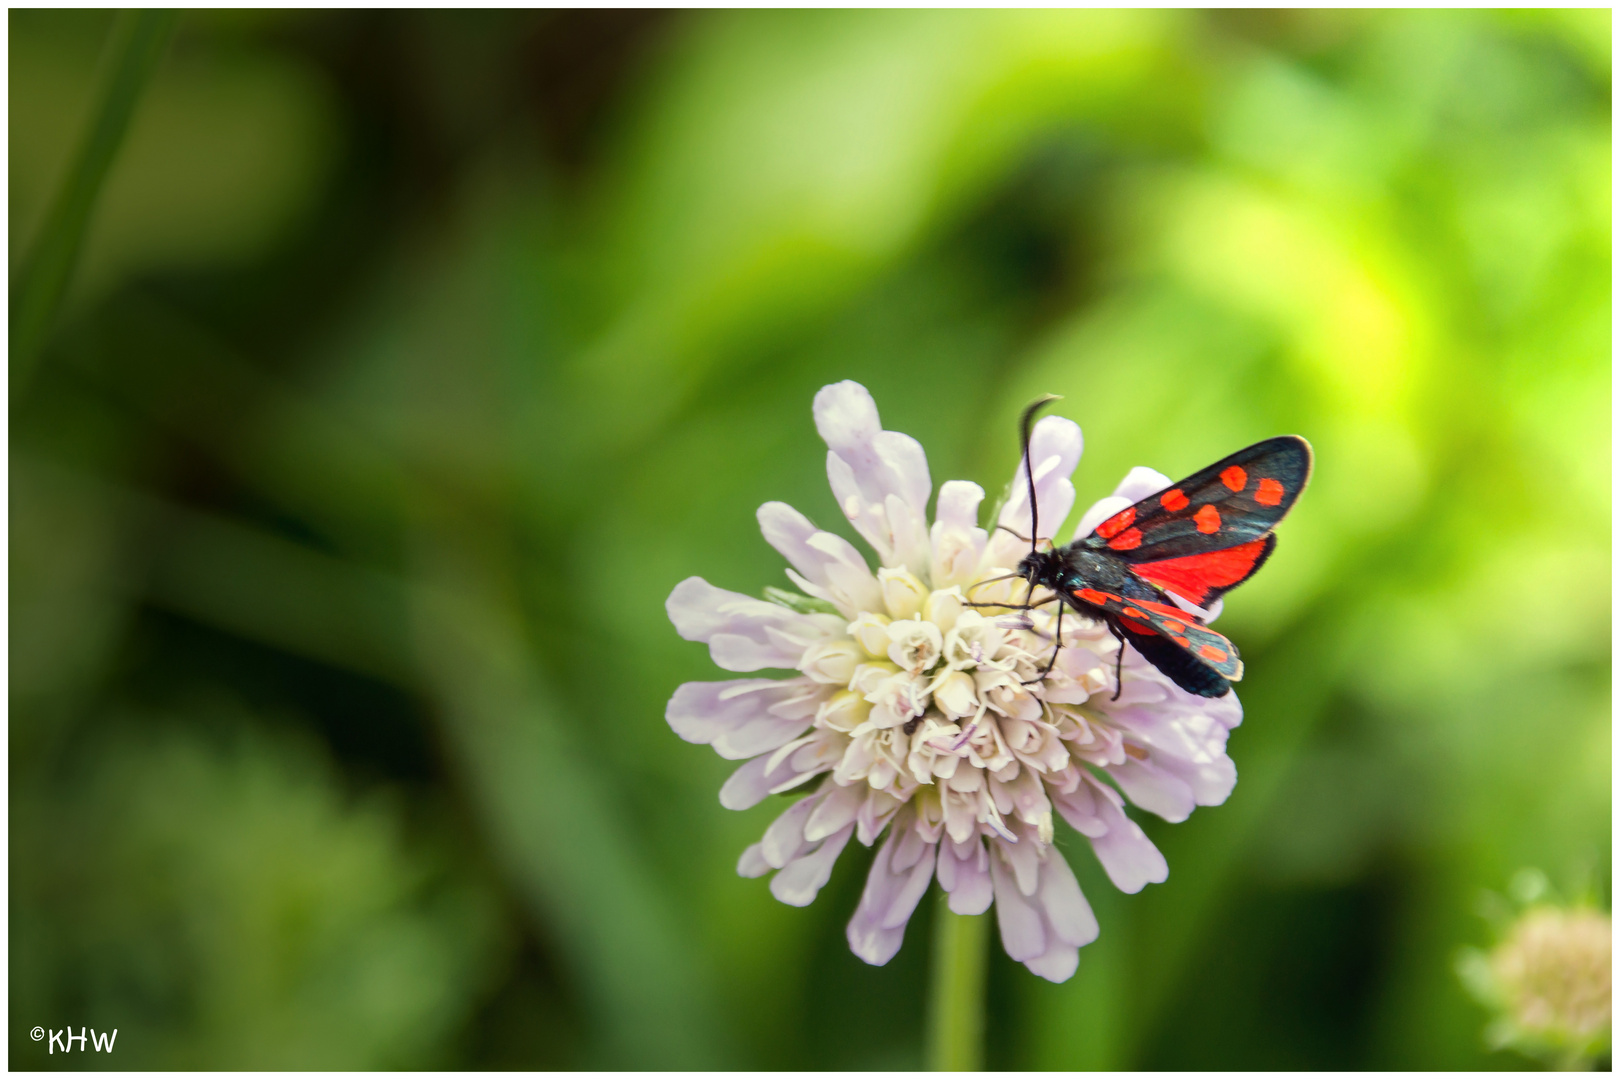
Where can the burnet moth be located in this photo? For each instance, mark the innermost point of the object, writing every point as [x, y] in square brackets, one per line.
[1197, 539]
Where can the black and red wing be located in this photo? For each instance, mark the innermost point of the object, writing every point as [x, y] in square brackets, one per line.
[1212, 531]
[1173, 628]
[1203, 578]
[1183, 669]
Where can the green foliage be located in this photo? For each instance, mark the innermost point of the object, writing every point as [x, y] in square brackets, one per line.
[413, 357]
[228, 907]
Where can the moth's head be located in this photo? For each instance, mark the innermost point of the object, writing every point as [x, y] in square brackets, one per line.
[1041, 565]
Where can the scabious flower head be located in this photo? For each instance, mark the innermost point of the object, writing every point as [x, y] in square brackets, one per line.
[1548, 981]
[918, 721]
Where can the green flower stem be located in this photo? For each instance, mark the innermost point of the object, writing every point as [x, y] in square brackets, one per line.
[956, 1004]
[40, 287]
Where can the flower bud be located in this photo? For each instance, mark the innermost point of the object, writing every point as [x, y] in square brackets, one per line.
[973, 640]
[831, 662]
[869, 678]
[872, 631]
[914, 644]
[943, 606]
[844, 711]
[955, 695]
[903, 593]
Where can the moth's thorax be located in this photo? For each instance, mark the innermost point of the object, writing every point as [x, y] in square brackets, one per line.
[1066, 570]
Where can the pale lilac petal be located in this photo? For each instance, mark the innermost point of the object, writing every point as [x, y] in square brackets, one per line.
[1022, 934]
[825, 565]
[752, 863]
[900, 873]
[893, 887]
[1024, 860]
[800, 881]
[1079, 809]
[784, 840]
[958, 504]
[1193, 735]
[836, 810]
[793, 764]
[846, 416]
[871, 941]
[877, 811]
[760, 737]
[912, 886]
[747, 786]
[1211, 782]
[785, 769]
[1154, 789]
[1045, 930]
[734, 652]
[1226, 711]
[869, 469]
[744, 634]
[1070, 669]
[1186, 738]
[1129, 857]
[1057, 964]
[909, 846]
[964, 873]
[1054, 447]
[1064, 906]
[1067, 919]
[956, 541]
[744, 717]
[884, 462]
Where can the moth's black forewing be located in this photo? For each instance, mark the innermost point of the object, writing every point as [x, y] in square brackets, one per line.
[1165, 525]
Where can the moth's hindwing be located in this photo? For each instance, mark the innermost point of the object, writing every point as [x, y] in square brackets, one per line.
[1145, 618]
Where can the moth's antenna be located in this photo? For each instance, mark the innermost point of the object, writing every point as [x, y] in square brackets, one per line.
[1024, 424]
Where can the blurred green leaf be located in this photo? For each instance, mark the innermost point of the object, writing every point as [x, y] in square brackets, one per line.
[43, 280]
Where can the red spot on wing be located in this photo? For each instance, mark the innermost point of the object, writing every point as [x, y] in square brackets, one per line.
[1208, 520]
[1092, 596]
[1234, 477]
[1111, 528]
[1179, 640]
[1133, 613]
[1173, 626]
[1173, 500]
[1135, 627]
[1194, 577]
[1270, 493]
[1210, 652]
[1126, 540]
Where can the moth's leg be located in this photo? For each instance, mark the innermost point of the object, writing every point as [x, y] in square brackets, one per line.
[1119, 660]
[1056, 645]
[1026, 606]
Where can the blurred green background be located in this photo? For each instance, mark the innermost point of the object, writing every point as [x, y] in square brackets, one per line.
[412, 358]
